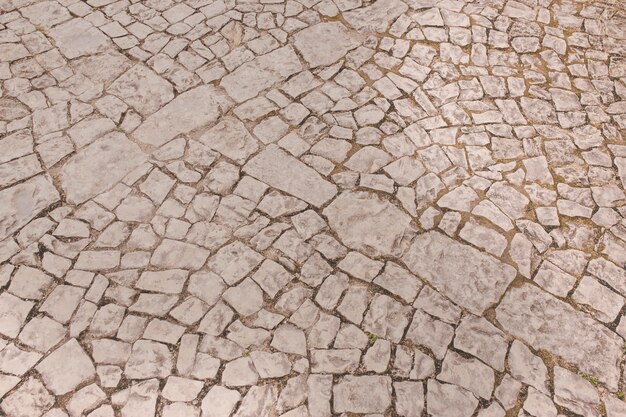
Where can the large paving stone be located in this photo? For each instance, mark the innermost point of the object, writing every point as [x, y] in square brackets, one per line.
[325, 43]
[280, 170]
[20, 203]
[143, 89]
[192, 109]
[544, 322]
[66, 368]
[362, 394]
[262, 72]
[365, 222]
[448, 400]
[469, 277]
[99, 166]
[78, 37]
[376, 17]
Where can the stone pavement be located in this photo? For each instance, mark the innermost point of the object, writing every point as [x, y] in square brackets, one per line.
[312, 208]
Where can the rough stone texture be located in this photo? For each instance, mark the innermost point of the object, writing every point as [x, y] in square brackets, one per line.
[81, 176]
[215, 208]
[24, 201]
[376, 17]
[362, 394]
[468, 277]
[449, 400]
[262, 72]
[78, 37]
[313, 43]
[545, 322]
[270, 166]
[367, 223]
[66, 368]
[142, 89]
[188, 111]
[231, 138]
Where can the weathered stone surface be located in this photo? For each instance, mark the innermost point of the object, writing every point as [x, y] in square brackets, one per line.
[231, 138]
[312, 208]
[278, 169]
[143, 89]
[81, 176]
[77, 37]
[29, 400]
[24, 201]
[467, 276]
[188, 111]
[575, 393]
[447, 400]
[362, 394]
[545, 322]
[262, 72]
[66, 368]
[219, 402]
[409, 398]
[325, 43]
[376, 17]
[365, 222]
[470, 374]
[175, 254]
[387, 318]
[149, 360]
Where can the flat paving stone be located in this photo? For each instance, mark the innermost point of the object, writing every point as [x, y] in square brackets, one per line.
[468, 277]
[313, 42]
[190, 110]
[280, 170]
[24, 201]
[215, 208]
[545, 322]
[362, 394]
[367, 223]
[81, 177]
[263, 72]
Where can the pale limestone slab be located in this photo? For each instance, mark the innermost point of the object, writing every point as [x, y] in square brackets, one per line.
[99, 166]
[280, 170]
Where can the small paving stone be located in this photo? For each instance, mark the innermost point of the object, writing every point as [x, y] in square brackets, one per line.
[574, 392]
[312, 208]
